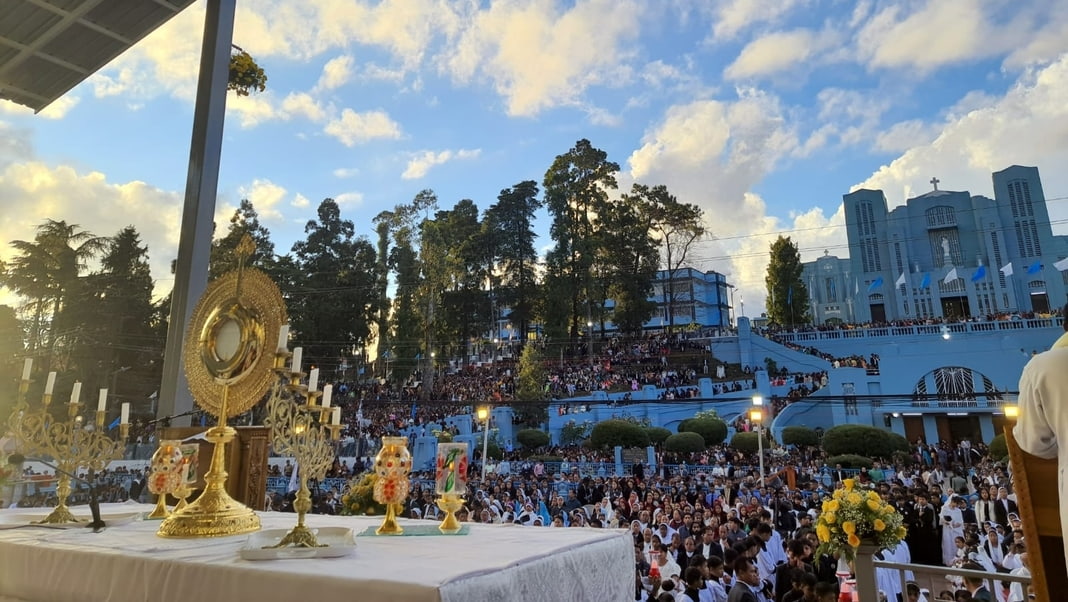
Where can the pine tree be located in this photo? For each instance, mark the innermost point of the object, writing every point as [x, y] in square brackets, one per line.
[787, 300]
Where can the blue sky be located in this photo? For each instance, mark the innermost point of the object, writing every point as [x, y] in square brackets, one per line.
[763, 112]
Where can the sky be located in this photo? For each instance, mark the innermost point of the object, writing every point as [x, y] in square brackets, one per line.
[762, 112]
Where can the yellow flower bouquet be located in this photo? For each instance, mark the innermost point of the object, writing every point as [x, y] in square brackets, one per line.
[358, 497]
[853, 516]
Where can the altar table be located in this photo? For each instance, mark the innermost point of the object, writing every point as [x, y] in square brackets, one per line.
[493, 562]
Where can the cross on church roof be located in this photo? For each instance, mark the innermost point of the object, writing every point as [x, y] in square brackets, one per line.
[934, 182]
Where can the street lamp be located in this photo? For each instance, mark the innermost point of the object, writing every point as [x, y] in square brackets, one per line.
[483, 414]
[589, 333]
[756, 415]
[1012, 412]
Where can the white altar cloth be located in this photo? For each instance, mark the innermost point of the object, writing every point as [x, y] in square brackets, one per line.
[493, 562]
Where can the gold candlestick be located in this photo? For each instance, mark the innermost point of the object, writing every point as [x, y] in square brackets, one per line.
[228, 363]
[298, 430]
[67, 442]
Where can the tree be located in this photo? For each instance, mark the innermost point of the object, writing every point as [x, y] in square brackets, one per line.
[576, 191]
[676, 227]
[532, 438]
[787, 301]
[530, 390]
[244, 221]
[622, 433]
[381, 332]
[337, 266]
[628, 260]
[712, 430]
[684, 443]
[799, 435]
[747, 442]
[511, 222]
[657, 434]
[863, 440]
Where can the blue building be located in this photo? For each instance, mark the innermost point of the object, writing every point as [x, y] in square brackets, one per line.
[943, 254]
[693, 297]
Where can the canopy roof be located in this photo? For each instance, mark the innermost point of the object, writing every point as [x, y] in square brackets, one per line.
[49, 46]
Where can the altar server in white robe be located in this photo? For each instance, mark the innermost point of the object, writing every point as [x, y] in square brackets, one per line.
[952, 528]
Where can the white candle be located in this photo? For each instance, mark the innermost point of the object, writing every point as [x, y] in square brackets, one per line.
[50, 383]
[298, 354]
[76, 393]
[102, 403]
[26, 366]
[328, 392]
[337, 416]
[283, 337]
[124, 417]
[313, 380]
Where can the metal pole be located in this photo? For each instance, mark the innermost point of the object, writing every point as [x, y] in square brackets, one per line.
[760, 450]
[202, 182]
[485, 446]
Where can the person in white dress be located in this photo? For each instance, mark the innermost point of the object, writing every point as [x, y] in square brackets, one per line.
[952, 528]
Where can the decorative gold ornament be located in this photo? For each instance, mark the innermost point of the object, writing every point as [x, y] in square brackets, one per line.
[299, 428]
[166, 474]
[228, 362]
[450, 504]
[68, 443]
[392, 465]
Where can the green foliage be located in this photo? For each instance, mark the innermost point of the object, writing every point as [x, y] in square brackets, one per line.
[245, 75]
[684, 443]
[747, 442]
[532, 438]
[573, 433]
[787, 300]
[442, 436]
[493, 451]
[712, 430]
[508, 228]
[245, 220]
[799, 435]
[863, 440]
[657, 434]
[771, 365]
[531, 389]
[850, 461]
[623, 433]
[998, 448]
[628, 261]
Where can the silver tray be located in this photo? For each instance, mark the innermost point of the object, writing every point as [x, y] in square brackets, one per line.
[339, 541]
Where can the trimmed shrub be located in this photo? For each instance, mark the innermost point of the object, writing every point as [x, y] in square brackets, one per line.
[712, 430]
[685, 443]
[747, 442]
[623, 433]
[998, 448]
[850, 461]
[657, 434]
[532, 438]
[863, 440]
[493, 450]
[799, 435]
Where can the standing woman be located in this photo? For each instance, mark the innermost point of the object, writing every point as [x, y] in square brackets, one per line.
[952, 528]
[984, 507]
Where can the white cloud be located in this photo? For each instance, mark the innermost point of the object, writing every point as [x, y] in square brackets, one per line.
[336, 73]
[537, 57]
[731, 17]
[354, 128]
[265, 195]
[346, 172]
[777, 52]
[1027, 126]
[349, 198]
[936, 34]
[420, 164]
[252, 110]
[301, 104]
[904, 135]
[57, 110]
[300, 201]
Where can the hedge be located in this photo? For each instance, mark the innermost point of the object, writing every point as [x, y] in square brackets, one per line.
[532, 438]
[799, 435]
[998, 448]
[610, 433]
[863, 440]
[850, 461]
[747, 442]
[712, 430]
[657, 434]
[685, 443]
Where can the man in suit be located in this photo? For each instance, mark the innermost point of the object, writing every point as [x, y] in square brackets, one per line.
[709, 546]
[1003, 507]
[747, 584]
[975, 586]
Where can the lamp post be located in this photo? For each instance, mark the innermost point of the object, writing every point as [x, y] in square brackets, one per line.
[483, 417]
[589, 334]
[756, 415]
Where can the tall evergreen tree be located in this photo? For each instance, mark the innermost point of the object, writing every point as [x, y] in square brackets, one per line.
[509, 230]
[629, 257]
[244, 221]
[787, 300]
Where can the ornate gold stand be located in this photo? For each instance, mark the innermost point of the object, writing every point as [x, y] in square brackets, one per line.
[61, 514]
[389, 525]
[214, 513]
[450, 503]
[301, 536]
[182, 494]
[160, 511]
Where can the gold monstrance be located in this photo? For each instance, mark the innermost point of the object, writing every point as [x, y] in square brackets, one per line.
[229, 364]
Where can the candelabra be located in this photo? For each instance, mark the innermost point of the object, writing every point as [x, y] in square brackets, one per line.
[299, 428]
[67, 442]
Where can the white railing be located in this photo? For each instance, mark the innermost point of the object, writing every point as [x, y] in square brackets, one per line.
[867, 590]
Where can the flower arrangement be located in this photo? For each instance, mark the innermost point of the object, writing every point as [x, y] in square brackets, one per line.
[7, 471]
[359, 497]
[854, 516]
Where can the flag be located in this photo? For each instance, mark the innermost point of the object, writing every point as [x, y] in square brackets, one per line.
[413, 410]
[1061, 265]
[900, 280]
[856, 287]
[1007, 270]
[1034, 268]
[294, 480]
[790, 295]
[980, 274]
[926, 283]
[950, 277]
[878, 282]
[114, 423]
